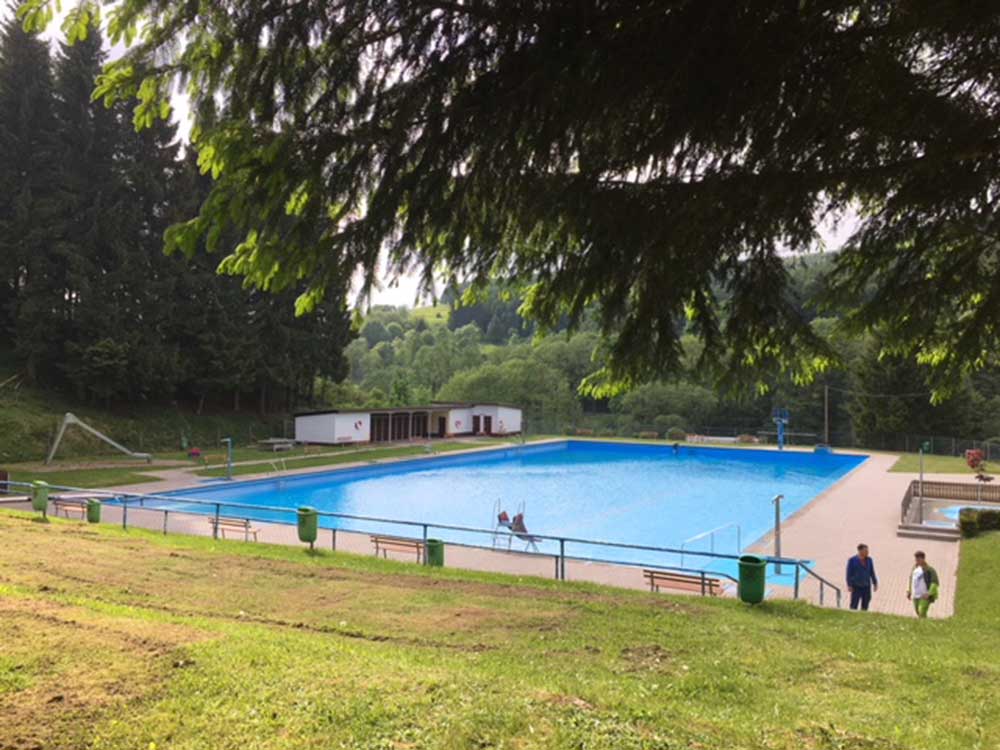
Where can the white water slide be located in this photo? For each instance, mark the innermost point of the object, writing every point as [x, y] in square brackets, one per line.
[73, 419]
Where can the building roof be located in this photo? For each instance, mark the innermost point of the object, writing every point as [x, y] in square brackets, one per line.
[433, 406]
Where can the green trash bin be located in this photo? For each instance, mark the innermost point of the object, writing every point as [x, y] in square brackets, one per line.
[93, 511]
[753, 573]
[435, 553]
[308, 523]
[40, 496]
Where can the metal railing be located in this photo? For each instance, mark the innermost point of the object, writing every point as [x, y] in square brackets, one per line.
[214, 510]
[711, 538]
[957, 492]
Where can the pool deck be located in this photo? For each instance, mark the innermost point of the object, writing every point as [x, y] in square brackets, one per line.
[863, 506]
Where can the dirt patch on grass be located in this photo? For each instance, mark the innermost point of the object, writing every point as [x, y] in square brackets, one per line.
[76, 667]
[649, 658]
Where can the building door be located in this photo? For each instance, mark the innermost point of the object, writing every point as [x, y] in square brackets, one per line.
[442, 426]
[488, 425]
[380, 428]
[475, 424]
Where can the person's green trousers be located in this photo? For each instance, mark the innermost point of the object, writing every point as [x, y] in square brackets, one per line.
[922, 605]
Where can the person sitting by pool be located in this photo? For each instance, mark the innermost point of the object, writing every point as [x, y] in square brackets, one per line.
[503, 520]
[521, 532]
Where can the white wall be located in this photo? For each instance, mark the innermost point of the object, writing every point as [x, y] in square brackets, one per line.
[315, 428]
[353, 427]
[507, 420]
[459, 421]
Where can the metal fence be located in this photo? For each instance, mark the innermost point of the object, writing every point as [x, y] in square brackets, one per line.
[559, 546]
[911, 507]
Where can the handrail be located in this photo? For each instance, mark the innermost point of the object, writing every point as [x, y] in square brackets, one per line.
[711, 534]
[125, 499]
[822, 582]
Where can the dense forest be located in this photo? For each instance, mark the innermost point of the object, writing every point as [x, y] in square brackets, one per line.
[89, 302]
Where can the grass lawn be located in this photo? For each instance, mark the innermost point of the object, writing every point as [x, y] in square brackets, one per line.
[260, 462]
[112, 640]
[348, 456]
[85, 478]
[910, 463]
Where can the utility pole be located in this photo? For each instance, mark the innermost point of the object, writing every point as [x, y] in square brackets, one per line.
[826, 414]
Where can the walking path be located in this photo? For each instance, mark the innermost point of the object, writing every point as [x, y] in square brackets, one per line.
[864, 507]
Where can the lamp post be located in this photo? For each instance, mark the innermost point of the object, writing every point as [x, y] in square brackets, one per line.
[777, 531]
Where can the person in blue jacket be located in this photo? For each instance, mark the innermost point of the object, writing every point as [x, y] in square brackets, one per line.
[861, 578]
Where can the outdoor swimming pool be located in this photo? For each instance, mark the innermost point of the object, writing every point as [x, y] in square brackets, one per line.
[619, 492]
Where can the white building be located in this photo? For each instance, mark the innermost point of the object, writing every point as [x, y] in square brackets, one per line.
[406, 423]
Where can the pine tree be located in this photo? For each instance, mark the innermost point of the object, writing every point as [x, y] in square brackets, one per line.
[90, 223]
[32, 286]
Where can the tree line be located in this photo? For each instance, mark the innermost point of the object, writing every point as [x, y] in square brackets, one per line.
[482, 349]
[89, 302]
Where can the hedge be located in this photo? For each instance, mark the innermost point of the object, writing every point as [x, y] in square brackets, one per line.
[971, 521]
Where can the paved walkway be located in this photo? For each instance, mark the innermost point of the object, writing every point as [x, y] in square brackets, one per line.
[864, 507]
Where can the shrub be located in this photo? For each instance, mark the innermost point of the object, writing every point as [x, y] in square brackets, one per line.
[676, 434]
[968, 522]
[971, 521]
[649, 435]
[665, 422]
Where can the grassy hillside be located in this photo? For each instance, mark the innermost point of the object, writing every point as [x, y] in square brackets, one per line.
[112, 639]
[29, 419]
[432, 314]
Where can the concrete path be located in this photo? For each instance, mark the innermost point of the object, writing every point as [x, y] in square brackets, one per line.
[864, 507]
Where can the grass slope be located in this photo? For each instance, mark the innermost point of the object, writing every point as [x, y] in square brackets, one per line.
[29, 419]
[112, 639]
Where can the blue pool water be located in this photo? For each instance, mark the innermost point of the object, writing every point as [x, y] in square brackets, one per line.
[637, 494]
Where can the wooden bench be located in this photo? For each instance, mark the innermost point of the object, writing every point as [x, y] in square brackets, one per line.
[68, 505]
[276, 444]
[683, 582]
[241, 525]
[386, 544]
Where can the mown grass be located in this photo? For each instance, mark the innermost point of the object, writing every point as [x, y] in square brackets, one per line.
[85, 478]
[116, 474]
[910, 463]
[112, 639]
[281, 463]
